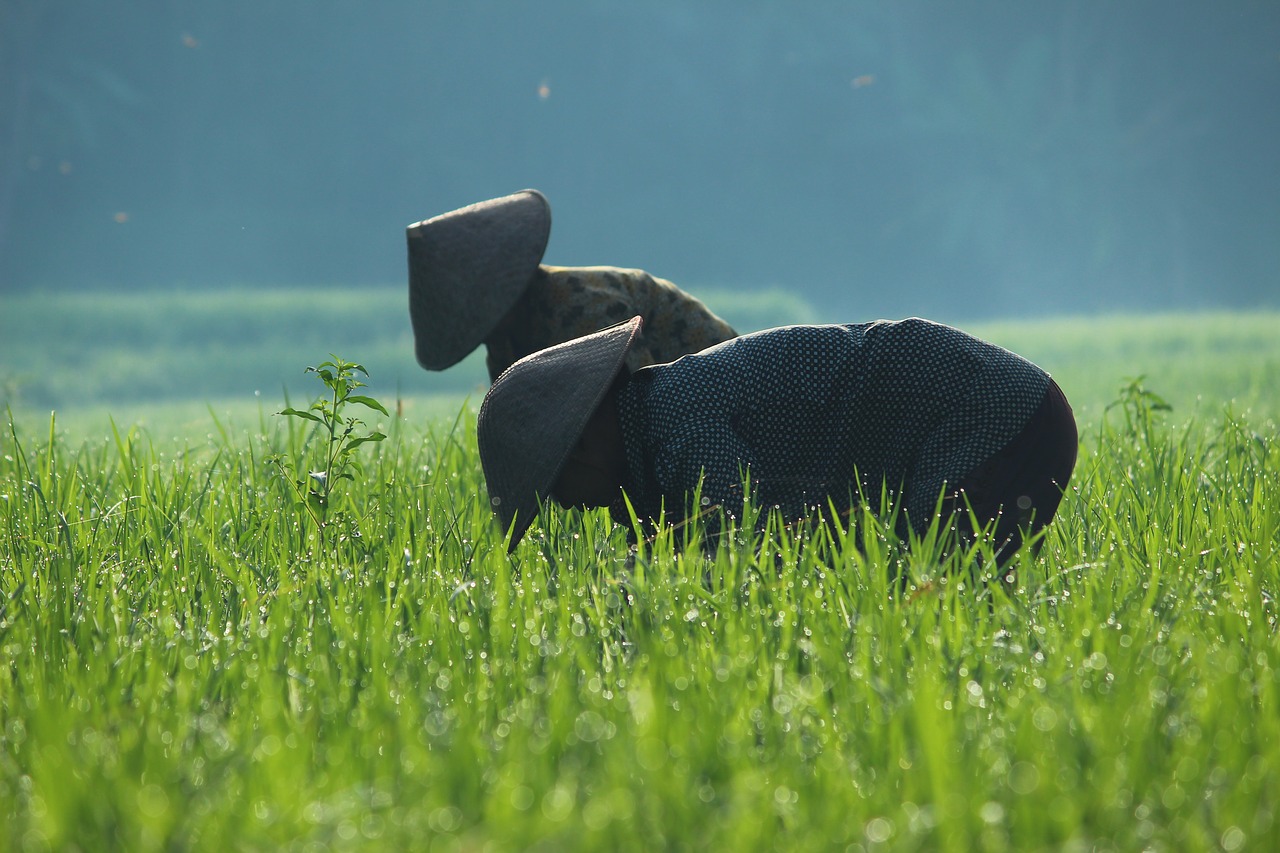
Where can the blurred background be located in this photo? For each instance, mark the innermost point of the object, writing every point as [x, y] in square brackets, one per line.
[825, 160]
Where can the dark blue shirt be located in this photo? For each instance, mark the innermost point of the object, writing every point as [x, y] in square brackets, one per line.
[818, 412]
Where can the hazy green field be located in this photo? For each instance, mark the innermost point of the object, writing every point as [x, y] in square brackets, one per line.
[65, 349]
[166, 358]
[191, 663]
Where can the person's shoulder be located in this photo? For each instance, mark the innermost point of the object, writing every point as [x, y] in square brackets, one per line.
[580, 280]
[908, 325]
[916, 330]
[603, 276]
[620, 285]
[826, 334]
[640, 283]
[778, 348]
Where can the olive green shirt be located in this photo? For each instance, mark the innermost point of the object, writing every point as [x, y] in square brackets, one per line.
[563, 303]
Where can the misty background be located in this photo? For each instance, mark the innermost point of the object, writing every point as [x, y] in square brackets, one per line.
[961, 160]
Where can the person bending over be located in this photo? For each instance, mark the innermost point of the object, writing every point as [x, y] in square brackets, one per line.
[808, 416]
[476, 276]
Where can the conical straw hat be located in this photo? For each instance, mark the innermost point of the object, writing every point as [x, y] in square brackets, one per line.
[467, 268]
[535, 413]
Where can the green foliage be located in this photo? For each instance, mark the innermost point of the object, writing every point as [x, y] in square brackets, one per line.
[341, 436]
[1140, 407]
[179, 671]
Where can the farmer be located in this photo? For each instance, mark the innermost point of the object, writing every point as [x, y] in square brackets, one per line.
[808, 416]
[475, 276]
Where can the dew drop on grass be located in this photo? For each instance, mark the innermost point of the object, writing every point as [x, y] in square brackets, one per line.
[1233, 839]
[557, 804]
[878, 830]
[445, 819]
[1044, 718]
[1024, 777]
[521, 798]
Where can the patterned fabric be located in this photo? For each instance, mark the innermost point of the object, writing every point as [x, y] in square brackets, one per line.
[563, 303]
[817, 412]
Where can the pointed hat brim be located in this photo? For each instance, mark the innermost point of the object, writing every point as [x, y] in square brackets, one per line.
[467, 268]
[534, 415]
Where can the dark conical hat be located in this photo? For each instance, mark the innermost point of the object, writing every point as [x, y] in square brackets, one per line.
[535, 413]
[467, 268]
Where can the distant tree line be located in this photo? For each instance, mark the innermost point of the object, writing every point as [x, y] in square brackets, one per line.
[964, 159]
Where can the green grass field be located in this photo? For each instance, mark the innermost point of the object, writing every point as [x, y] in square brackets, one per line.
[190, 663]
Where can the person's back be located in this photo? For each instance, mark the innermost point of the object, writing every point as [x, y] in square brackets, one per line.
[810, 409]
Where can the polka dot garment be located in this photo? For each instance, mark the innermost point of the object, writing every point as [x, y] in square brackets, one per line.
[818, 412]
